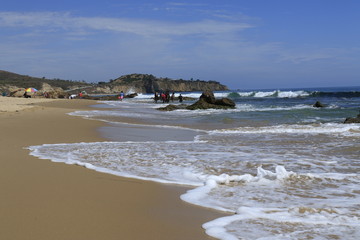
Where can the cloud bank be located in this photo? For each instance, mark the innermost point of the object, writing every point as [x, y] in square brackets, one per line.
[63, 45]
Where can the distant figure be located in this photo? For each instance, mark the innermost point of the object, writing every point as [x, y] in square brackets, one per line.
[167, 96]
[156, 97]
[121, 97]
[180, 98]
[26, 95]
[172, 97]
[163, 97]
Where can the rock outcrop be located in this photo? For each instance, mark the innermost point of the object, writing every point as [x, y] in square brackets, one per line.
[146, 83]
[318, 105]
[52, 92]
[207, 100]
[353, 119]
[172, 107]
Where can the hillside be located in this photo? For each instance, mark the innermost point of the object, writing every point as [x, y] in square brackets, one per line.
[134, 83]
[146, 83]
[24, 81]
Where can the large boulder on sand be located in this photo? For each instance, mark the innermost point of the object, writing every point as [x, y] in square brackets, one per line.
[52, 92]
[17, 93]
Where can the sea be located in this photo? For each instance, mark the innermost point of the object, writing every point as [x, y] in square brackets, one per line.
[276, 165]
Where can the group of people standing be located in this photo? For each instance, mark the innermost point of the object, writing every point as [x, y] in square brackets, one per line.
[165, 97]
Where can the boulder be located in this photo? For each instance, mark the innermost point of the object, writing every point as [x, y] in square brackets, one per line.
[200, 104]
[225, 102]
[207, 100]
[18, 92]
[131, 95]
[208, 96]
[318, 105]
[172, 107]
[353, 120]
[52, 92]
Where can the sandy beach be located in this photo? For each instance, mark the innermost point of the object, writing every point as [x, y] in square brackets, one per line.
[45, 200]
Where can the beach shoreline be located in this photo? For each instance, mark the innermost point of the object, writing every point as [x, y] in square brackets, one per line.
[46, 200]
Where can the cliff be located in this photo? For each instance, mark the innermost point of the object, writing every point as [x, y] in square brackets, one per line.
[132, 83]
[146, 83]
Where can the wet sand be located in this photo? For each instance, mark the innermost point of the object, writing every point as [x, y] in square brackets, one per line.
[45, 200]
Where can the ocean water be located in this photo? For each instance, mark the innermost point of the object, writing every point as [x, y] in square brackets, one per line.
[281, 168]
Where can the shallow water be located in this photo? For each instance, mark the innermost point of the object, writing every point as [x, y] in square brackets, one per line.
[285, 169]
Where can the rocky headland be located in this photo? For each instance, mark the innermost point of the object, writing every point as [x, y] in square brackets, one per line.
[12, 84]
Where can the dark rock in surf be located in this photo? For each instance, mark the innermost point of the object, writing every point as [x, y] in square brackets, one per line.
[318, 105]
[132, 95]
[353, 120]
[172, 107]
[208, 96]
[207, 100]
[225, 102]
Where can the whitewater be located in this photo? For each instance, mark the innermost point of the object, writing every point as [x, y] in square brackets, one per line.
[279, 167]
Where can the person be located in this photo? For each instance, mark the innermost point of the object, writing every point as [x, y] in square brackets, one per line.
[121, 97]
[26, 95]
[156, 97]
[163, 97]
[167, 96]
[180, 98]
[172, 97]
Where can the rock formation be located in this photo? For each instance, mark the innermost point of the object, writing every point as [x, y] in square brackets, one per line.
[146, 83]
[318, 105]
[207, 100]
[353, 119]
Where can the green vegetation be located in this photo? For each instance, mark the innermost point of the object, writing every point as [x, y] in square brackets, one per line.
[141, 83]
[8, 78]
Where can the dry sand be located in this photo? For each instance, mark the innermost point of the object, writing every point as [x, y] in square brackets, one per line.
[43, 200]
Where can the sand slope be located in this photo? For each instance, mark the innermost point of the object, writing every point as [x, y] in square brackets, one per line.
[45, 200]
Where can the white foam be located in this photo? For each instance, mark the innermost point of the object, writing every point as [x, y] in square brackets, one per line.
[325, 128]
[274, 93]
[253, 108]
[190, 163]
[299, 219]
[257, 94]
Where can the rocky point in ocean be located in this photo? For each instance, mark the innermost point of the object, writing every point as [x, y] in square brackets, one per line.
[207, 100]
[318, 104]
[353, 119]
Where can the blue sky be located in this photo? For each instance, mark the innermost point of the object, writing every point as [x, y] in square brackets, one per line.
[240, 43]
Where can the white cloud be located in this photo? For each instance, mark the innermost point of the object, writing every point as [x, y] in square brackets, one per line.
[144, 27]
[62, 45]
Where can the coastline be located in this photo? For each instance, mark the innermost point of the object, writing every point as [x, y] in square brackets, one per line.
[46, 200]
